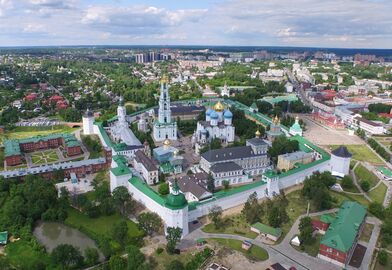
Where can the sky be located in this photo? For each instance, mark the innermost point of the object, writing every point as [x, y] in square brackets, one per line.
[305, 23]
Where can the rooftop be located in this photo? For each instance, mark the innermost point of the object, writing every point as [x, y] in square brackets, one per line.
[229, 153]
[343, 230]
[342, 151]
[267, 229]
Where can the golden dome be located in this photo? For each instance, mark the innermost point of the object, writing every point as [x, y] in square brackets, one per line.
[166, 142]
[164, 79]
[258, 133]
[219, 107]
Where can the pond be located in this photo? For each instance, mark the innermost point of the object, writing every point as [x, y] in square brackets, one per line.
[52, 234]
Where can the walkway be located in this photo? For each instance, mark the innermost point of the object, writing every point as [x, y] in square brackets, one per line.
[357, 185]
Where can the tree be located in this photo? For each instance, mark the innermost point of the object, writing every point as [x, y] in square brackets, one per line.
[282, 145]
[175, 265]
[117, 263]
[316, 188]
[215, 215]
[91, 256]
[120, 232]
[210, 183]
[149, 222]
[383, 257]
[135, 258]
[121, 198]
[67, 256]
[347, 182]
[305, 230]
[173, 236]
[226, 184]
[277, 216]
[365, 185]
[377, 209]
[252, 209]
[163, 189]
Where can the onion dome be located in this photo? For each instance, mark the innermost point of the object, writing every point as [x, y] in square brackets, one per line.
[166, 142]
[258, 133]
[214, 115]
[164, 79]
[209, 111]
[228, 114]
[219, 107]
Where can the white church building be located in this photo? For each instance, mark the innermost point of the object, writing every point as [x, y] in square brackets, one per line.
[164, 127]
[218, 124]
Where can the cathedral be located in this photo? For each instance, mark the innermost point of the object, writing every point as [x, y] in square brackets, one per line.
[164, 127]
[218, 124]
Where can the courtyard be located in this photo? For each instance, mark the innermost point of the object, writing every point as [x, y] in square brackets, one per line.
[44, 157]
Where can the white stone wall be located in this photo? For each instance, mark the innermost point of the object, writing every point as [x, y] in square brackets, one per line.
[88, 125]
[340, 166]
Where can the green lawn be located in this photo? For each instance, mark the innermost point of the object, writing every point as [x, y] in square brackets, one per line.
[341, 197]
[163, 259]
[378, 194]
[362, 153]
[27, 132]
[43, 157]
[235, 224]
[366, 232]
[364, 174]
[255, 252]
[312, 248]
[22, 255]
[101, 226]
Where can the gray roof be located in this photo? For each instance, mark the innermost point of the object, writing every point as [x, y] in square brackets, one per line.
[148, 163]
[342, 151]
[195, 184]
[225, 167]
[52, 167]
[257, 141]
[230, 153]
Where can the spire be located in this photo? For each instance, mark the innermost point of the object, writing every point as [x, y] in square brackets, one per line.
[164, 79]
[121, 101]
[175, 188]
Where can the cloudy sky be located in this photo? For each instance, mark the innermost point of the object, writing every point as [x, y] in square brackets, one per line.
[322, 23]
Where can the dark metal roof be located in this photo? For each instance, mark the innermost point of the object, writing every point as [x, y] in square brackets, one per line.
[230, 153]
[195, 184]
[342, 151]
[148, 163]
[257, 141]
[225, 167]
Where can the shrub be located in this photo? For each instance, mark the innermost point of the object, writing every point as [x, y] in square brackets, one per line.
[163, 189]
[383, 257]
[365, 185]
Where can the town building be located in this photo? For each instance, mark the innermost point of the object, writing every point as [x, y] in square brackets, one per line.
[340, 161]
[147, 167]
[266, 231]
[218, 124]
[368, 126]
[339, 241]
[14, 149]
[252, 157]
[230, 172]
[194, 186]
[321, 225]
[289, 160]
[168, 158]
[164, 126]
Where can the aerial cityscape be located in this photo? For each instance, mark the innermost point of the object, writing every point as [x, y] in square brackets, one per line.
[186, 135]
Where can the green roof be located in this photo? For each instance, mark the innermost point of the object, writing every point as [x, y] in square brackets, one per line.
[12, 147]
[327, 218]
[385, 171]
[277, 99]
[296, 127]
[176, 200]
[3, 237]
[277, 232]
[143, 187]
[343, 230]
[122, 167]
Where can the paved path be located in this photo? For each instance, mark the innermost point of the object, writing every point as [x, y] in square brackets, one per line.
[357, 184]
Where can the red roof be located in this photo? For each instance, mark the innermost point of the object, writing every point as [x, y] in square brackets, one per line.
[56, 98]
[61, 105]
[31, 96]
[388, 115]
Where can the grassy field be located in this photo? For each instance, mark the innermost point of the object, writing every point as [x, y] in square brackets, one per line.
[362, 153]
[22, 255]
[26, 132]
[364, 174]
[101, 226]
[341, 197]
[163, 259]
[233, 225]
[378, 194]
[366, 232]
[254, 253]
[312, 248]
[48, 156]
